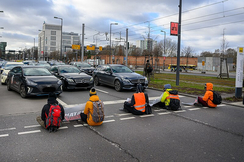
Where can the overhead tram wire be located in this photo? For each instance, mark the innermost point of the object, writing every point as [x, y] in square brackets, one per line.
[214, 25]
[171, 15]
[160, 25]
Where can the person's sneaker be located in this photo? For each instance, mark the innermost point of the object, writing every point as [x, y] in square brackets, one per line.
[198, 105]
[122, 109]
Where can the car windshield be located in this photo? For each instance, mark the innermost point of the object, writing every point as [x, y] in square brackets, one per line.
[121, 69]
[83, 65]
[36, 72]
[10, 67]
[69, 69]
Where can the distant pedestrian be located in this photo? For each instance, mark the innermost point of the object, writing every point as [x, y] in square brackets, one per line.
[148, 70]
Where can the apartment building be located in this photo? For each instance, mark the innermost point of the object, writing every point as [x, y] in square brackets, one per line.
[49, 40]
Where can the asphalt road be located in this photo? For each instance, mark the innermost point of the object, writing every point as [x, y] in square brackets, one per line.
[192, 134]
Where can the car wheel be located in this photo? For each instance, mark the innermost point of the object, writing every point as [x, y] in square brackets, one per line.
[117, 85]
[8, 86]
[96, 81]
[22, 91]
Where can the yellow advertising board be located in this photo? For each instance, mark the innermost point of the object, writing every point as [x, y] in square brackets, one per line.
[100, 48]
[241, 49]
[203, 63]
[90, 47]
[75, 47]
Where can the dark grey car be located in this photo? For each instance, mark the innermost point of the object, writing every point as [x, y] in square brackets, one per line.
[118, 76]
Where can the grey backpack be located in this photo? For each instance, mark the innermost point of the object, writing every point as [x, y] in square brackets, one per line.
[98, 111]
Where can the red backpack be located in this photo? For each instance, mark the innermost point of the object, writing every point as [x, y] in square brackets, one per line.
[53, 119]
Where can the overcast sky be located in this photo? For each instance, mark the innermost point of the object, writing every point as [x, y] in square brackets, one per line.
[203, 21]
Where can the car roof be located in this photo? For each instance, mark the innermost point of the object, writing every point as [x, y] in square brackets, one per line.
[14, 63]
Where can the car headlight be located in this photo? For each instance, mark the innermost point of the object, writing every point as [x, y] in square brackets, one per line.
[91, 79]
[146, 79]
[31, 83]
[4, 73]
[59, 82]
[70, 80]
[126, 80]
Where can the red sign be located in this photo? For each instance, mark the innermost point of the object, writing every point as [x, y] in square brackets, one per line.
[41, 52]
[174, 28]
[164, 58]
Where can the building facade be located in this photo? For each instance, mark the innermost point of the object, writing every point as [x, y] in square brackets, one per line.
[49, 40]
[146, 44]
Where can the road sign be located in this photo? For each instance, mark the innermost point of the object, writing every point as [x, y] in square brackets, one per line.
[75, 47]
[203, 63]
[100, 48]
[90, 47]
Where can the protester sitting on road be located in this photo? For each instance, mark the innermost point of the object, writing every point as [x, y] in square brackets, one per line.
[169, 99]
[52, 114]
[138, 103]
[207, 99]
[94, 110]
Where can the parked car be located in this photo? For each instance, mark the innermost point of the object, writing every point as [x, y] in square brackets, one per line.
[10, 64]
[118, 76]
[5, 72]
[46, 65]
[33, 80]
[84, 67]
[72, 77]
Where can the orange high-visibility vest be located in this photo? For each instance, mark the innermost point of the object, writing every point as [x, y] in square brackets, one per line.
[140, 102]
[173, 96]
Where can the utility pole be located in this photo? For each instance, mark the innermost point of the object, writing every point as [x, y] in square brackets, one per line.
[82, 52]
[127, 46]
[178, 49]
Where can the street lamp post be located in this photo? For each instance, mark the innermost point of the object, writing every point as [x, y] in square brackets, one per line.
[61, 36]
[43, 44]
[110, 40]
[164, 47]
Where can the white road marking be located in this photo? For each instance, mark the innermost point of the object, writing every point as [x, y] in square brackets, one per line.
[4, 135]
[101, 90]
[164, 113]
[187, 106]
[31, 126]
[159, 110]
[127, 118]
[7, 129]
[110, 116]
[194, 109]
[180, 111]
[144, 116]
[65, 127]
[113, 102]
[108, 121]
[123, 114]
[28, 132]
[61, 102]
[221, 105]
[78, 125]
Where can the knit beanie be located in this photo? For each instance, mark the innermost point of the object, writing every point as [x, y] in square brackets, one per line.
[52, 96]
[93, 91]
[167, 86]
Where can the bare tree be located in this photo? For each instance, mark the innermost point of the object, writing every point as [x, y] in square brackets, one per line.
[136, 52]
[187, 52]
[158, 51]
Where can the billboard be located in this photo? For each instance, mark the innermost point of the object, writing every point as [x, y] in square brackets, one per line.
[75, 47]
[174, 28]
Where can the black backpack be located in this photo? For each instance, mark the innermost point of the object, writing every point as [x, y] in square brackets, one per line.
[149, 68]
[217, 99]
[174, 100]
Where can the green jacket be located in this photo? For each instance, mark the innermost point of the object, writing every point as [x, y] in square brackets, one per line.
[165, 95]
